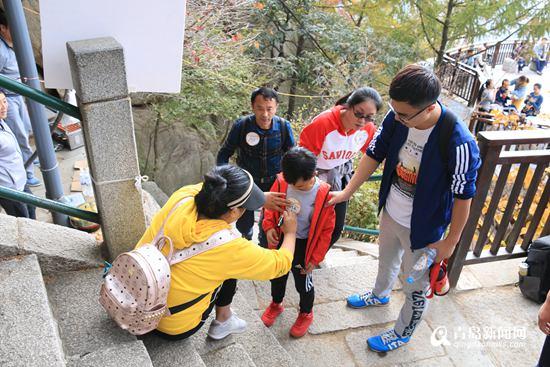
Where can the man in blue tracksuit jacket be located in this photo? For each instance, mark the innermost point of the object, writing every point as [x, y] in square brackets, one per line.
[420, 194]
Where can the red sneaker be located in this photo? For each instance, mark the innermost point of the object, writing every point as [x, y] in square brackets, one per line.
[301, 325]
[271, 313]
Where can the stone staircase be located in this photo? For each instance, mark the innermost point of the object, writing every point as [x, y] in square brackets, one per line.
[50, 316]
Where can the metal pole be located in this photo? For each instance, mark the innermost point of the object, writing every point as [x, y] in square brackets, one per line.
[29, 75]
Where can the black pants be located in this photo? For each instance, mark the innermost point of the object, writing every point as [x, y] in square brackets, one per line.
[340, 210]
[18, 209]
[544, 360]
[303, 282]
[224, 297]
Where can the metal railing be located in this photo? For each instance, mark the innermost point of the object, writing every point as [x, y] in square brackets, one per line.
[58, 105]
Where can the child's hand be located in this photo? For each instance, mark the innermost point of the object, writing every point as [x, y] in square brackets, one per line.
[309, 268]
[275, 201]
[272, 238]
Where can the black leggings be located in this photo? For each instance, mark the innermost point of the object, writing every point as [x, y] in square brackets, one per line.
[544, 360]
[303, 282]
[224, 296]
[340, 210]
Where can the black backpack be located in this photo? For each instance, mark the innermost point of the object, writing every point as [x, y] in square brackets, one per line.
[536, 283]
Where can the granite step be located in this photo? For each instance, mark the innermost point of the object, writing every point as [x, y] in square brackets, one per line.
[166, 353]
[83, 324]
[128, 354]
[363, 248]
[339, 253]
[29, 332]
[345, 261]
[58, 248]
[233, 355]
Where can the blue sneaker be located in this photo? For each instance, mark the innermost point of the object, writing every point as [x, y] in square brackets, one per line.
[33, 182]
[365, 300]
[387, 341]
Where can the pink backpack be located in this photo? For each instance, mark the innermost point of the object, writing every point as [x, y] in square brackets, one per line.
[135, 290]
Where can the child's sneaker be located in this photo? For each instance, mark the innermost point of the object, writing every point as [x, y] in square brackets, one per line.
[233, 325]
[387, 341]
[365, 300]
[271, 313]
[301, 325]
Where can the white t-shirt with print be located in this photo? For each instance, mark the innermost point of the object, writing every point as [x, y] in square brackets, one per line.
[399, 203]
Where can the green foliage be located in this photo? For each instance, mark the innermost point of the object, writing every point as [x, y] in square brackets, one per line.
[363, 211]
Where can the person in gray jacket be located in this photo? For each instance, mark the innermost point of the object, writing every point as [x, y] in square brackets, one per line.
[12, 169]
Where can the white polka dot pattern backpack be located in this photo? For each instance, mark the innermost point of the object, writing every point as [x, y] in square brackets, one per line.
[135, 290]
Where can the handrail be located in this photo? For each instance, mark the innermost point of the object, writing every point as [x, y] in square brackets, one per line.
[48, 204]
[40, 97]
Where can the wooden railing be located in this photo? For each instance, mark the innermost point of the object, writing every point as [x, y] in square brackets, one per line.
[459, 79]
[464, 81]
[509, 183]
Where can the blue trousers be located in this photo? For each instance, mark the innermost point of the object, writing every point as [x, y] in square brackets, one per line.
[541, 64]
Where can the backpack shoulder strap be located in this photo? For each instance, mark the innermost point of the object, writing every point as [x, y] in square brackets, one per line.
[217, 239]
[447, 127]
[284, 132]
[245, 121]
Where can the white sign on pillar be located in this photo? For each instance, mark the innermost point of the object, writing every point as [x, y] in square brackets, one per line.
[150, 32]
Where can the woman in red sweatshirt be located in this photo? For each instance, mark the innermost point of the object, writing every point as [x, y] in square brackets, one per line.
[336, 136]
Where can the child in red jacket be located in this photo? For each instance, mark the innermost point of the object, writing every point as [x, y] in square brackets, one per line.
[315, 226]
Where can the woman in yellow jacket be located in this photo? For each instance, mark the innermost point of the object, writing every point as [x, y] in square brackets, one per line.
[208, 279]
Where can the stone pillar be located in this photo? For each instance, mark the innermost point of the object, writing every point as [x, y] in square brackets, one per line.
[99, 78]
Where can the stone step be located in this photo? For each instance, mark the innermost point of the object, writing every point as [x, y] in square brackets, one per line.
[28, 330]
[339, 253]
[58, 248]
[345, 261]
[363, 248]
[257, 341]
[83, 324]
[233, 355]
[128, 354]
[331, 285]
[168, 353]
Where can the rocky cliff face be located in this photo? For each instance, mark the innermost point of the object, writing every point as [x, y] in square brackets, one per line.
[173, 155]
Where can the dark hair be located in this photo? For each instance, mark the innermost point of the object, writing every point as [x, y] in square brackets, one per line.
[222, 185]
[523, 78]
[504, 80]
[538, 85]
[482, 89]
[415, 85]
[298, 163]
[359, 96]
[3, 18]
[265, 92]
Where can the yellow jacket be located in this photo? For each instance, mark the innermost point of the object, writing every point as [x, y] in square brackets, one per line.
[203, 273]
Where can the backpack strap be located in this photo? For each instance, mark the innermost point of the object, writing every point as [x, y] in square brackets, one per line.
[217, 239]
[160, 239]
[447, 128]
[245, 120]
[284, 132]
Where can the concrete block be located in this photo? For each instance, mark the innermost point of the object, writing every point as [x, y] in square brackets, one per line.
[363, 248]
[58, 248]
[327, 350]
[260, 344]
[496, 273]
[336, 316]
[129, 354]
[248, 291]
[28, 329]
[335, 261]
[150, 207]
[84, 325]
[8, 236]
[120, 207]
[331, 284]
[110, 142]
[233, 355]
[166, 353]
[152, 188]
[98, 69]
[419, 348]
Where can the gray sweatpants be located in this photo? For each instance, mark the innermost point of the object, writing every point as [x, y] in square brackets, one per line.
[20, 124]
[395, 246]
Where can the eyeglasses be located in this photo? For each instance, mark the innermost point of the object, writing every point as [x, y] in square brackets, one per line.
[405, 118]
[368, 118]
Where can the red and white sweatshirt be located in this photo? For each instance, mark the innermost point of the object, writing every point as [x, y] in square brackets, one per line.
[326, 138]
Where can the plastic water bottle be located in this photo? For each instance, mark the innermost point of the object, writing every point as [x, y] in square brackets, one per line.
[86, 183]
[422, 264]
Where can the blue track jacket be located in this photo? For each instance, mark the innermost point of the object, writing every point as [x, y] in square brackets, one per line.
[438, 182]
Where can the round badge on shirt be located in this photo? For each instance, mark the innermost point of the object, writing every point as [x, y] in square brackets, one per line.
[360, 138]
[252, 139]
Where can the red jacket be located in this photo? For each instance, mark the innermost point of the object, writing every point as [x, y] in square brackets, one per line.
[322, 221]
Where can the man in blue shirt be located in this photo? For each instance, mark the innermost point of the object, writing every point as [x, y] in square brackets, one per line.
[431, 163]
[260, 140]
[18, 116]
[533, 102]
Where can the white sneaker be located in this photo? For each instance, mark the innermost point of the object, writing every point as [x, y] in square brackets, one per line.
[233, 325]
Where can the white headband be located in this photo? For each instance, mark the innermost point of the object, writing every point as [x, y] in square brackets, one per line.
[240, 201]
